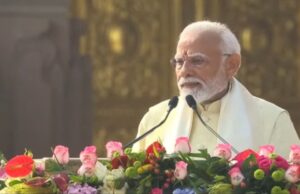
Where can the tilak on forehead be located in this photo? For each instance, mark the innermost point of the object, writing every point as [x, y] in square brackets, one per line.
[184, 47]
[185, 53]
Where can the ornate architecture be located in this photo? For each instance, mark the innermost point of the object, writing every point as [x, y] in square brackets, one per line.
[268, 32]
[129, 47]
[129, 44]
[98, 68]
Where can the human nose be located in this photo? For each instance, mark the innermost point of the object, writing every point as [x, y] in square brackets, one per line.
[186, 70]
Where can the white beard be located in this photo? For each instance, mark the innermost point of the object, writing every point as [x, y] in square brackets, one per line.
[208, 89]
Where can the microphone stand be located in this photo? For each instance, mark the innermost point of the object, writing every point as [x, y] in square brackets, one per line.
[192, 103]
[214, 132]
[172, 104]
[148, 132]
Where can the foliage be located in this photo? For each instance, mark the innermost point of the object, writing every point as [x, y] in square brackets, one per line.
[153, 171]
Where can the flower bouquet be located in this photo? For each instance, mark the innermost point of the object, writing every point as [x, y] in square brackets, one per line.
[22, 174]
[249, 172]
[153, 171]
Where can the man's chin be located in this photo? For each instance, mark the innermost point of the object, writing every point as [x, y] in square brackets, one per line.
[190, 90]
[185, 92]
[196, 94]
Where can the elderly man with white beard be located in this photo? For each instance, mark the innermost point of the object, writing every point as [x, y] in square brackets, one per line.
[207, 59]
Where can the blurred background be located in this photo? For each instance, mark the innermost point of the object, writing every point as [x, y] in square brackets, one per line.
[82, 72]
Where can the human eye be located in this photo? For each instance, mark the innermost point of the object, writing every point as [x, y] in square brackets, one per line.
[197, 60]
[179, 62]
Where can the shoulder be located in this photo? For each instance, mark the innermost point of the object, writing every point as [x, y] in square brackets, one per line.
[154, 113]
[267, 104]
[268, 107]
[151, 118]
[255, 103]
[163, 105]
[269, 113]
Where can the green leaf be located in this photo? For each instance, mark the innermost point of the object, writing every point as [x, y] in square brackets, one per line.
[219, 178]
[76, 179]
[52, 166]
[246, 164]
[28, 153]
[14, 182]
[202, 154]
[2, 185]
[219, 166]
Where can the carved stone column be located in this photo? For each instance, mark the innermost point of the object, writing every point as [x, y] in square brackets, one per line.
[40, 91]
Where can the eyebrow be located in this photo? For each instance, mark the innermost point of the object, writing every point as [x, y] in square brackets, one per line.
[191, 55]
[197, 54]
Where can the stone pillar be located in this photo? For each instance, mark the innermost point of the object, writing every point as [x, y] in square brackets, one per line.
[37, 80]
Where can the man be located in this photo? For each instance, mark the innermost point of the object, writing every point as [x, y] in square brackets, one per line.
[206, 60]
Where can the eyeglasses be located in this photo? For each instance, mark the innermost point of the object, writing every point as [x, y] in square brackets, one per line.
[196, 60]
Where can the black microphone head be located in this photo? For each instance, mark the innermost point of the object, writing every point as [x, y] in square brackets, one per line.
[191, 101]
[173, 102]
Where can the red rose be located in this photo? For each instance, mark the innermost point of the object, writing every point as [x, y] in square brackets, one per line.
[155, 148]
[242, 156]
[19, 166]
[119, 161]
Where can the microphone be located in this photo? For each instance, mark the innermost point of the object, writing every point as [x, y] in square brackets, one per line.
[192, 103]
[172, 104]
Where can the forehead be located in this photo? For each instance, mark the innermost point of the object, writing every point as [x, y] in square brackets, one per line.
[203, 42]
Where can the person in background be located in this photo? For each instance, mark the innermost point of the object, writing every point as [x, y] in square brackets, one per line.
[208, 56]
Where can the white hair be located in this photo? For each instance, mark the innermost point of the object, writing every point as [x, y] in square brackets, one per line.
[229, 43]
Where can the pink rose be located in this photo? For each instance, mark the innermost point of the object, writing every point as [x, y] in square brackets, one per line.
[264, 163]
[156, 191]
[236, 176]
[293, 174]
[39, 168]
[280, 162]
[114, 146]
[266, 150]
[88, 156]
[181, 170]
[61, 153]
[294, 156]
[223, 151]
[3, 175]
[182, 145]
[87, 170]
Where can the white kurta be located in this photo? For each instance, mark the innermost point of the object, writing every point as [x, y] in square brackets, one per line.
[239, 117]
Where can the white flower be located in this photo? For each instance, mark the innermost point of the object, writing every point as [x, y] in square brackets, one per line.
[106, 190]
[100, 171]
[114, 179]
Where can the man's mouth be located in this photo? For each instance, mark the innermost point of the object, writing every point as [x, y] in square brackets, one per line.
[190, 85]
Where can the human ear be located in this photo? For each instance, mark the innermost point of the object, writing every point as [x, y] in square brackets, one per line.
[232, 65]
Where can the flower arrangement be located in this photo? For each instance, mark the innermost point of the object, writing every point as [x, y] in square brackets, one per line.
[154, 172]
